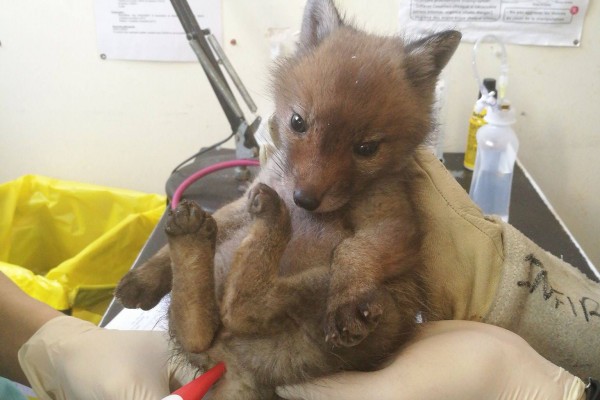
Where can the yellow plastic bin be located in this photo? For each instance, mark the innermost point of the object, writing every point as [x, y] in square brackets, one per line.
[68, 244]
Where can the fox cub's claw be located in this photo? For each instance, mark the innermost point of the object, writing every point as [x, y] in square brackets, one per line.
[189, 218]
[351, 321]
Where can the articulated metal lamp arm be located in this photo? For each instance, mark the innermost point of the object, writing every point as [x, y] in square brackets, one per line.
[199, 44]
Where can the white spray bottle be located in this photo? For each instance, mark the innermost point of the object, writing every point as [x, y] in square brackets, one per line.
[497, 147]
[497, 143]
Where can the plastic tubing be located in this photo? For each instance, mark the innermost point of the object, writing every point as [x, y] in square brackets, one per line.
[206, 171]
[503, 78]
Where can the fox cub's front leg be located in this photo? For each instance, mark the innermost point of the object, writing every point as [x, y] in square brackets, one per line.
[354, 307]
[360, 267]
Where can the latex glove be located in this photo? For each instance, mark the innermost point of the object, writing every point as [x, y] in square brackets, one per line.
[459, 360]
[68, 358]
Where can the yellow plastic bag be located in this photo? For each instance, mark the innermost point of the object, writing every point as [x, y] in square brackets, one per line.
[68, 244]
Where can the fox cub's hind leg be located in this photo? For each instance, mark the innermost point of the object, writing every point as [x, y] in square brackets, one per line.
[248, 303]
[143, 287]
[193, 314]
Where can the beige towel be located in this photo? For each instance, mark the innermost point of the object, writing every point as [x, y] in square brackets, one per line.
[485, 270]
[549, 303]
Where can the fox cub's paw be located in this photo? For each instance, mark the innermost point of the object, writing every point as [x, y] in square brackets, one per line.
[141, 288]
[264, 202]
[352, 317]
[189, 219]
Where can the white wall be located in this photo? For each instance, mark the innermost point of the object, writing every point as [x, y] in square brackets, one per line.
[66, 113]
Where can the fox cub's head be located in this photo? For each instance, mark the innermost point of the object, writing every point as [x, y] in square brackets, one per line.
[350, 106]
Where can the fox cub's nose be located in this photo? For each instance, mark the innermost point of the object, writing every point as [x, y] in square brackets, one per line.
[305, 199]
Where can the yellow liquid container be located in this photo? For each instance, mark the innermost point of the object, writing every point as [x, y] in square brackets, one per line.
[475, 122]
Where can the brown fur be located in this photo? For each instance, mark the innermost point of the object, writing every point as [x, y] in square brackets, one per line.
[318, 269]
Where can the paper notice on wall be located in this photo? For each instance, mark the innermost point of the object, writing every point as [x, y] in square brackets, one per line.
[544, 23]
[150, 29]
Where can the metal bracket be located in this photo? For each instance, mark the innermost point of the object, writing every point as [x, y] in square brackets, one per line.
[205, 46]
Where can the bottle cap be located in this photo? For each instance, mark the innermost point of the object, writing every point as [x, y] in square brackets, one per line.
[490, 85]
[500, 116]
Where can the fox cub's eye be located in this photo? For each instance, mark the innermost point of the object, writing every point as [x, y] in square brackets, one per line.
[366, 149]
[298, 123]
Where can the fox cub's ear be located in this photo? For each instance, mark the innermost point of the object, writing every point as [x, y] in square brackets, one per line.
[425, 58]
[319, 20]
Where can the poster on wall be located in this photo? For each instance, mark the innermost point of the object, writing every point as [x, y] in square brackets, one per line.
[149, 29]
[542, 23]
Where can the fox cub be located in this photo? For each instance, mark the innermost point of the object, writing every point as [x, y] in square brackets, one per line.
[317, 268]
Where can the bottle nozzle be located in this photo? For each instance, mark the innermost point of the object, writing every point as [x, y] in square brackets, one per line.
[485, 101]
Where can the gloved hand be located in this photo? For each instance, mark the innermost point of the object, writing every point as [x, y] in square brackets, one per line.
[483, 269]
[68, 358]
[459, 360]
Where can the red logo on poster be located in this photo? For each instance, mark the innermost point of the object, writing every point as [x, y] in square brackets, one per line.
[574, 10]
